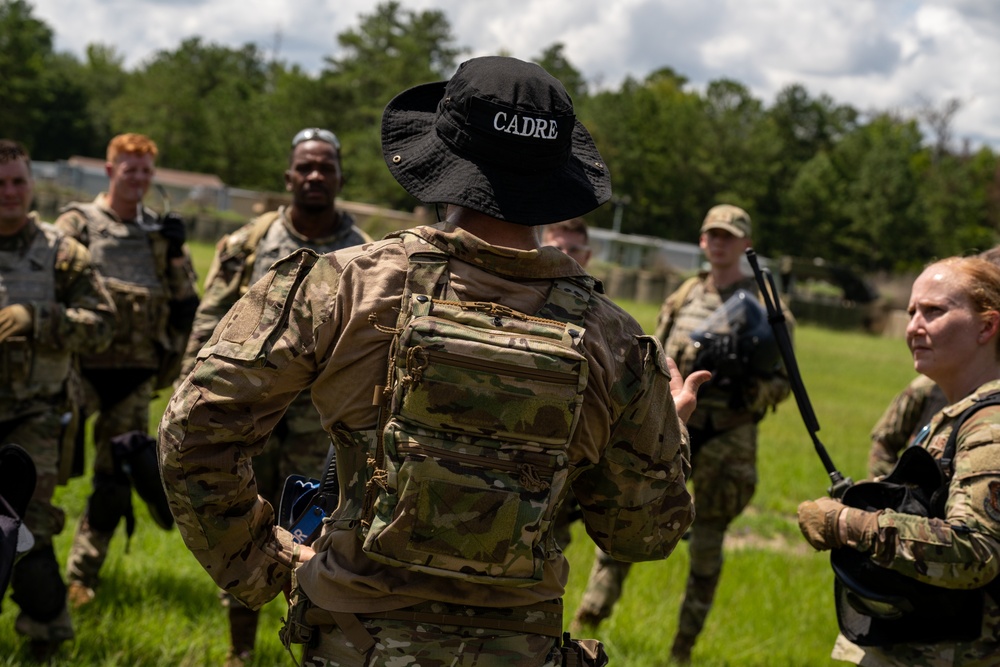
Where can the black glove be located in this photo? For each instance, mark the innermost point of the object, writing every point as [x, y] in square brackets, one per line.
[172, 229]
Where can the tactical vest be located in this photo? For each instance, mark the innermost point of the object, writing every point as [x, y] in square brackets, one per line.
[123, 255]
[877, 606]
[483, 402]
[277, 243]
[28, 371]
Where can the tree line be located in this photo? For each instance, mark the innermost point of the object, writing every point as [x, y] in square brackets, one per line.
[820, 178]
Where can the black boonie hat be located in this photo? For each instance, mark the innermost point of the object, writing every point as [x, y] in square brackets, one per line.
[499, 137]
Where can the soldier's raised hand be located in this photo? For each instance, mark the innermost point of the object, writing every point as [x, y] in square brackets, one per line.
[685, 390]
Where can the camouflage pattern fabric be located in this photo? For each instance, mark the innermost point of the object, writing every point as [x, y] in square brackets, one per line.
[90, 545]
[143, 281]
[79, 319]
[963, 551]
[483, 403]
[299, 444]
[326, 323]
[401, 643]
[134, 266]
[908, 412]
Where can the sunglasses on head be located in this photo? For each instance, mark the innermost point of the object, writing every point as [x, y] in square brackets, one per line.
[317, 134]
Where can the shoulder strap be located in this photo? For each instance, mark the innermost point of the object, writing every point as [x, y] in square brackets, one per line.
[948, 455]
[258, 229]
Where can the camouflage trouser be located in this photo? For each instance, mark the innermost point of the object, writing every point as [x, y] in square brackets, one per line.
[432, 645]
[36, 584]
[298, 445]
[724, 478]
[90, 546]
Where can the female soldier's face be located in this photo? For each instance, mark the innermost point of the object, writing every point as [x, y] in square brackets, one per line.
[944, 328]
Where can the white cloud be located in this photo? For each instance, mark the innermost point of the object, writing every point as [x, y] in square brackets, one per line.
[872, 54]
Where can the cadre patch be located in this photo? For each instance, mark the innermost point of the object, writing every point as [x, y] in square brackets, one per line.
[992, 502]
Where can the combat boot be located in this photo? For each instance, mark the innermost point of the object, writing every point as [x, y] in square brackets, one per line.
[680, 652]
[79, 594]
[44, 639]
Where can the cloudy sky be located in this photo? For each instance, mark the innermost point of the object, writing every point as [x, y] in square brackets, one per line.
[872, 54]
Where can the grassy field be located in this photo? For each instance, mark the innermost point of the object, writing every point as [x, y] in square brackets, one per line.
[157, 607]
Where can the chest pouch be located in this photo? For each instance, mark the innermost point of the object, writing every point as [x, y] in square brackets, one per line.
[472, 461]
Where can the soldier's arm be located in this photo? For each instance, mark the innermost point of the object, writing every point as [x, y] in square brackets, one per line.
[74, 224]
[963, 550]
[222, 291]
[82, 318]
[220, 416]
[635, 502]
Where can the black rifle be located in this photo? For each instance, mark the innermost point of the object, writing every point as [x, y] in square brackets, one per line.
[769, 294]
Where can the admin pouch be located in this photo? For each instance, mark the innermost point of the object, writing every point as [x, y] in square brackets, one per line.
[482, 403]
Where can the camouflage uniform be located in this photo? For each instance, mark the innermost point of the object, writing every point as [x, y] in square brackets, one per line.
[909, 412]
[120, 382]
[963, 551]
[723, 432]
[72, 314]
[299, 444]
[326, 323]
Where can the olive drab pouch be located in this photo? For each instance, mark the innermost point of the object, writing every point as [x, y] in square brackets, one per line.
[482, 403]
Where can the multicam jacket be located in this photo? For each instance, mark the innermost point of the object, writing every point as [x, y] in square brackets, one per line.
[325, 323]
[962, 551]
[72, 313]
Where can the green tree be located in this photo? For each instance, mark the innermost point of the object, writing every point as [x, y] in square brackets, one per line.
[391, 50]
[41, 96]
[555, 62]
[856, 202]
[204, 105]
[650, 135]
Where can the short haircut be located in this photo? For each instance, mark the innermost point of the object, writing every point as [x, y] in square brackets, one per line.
[131, 143]
[11, 150]
[575, 225]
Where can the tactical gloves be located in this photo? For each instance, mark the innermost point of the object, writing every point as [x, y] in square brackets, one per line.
[15, 319]
[173, 230]
[829, 524]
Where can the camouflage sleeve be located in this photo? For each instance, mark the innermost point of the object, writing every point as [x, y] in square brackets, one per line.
[220, 416]
[635, 501]
[222, 291]
[82, 318]
[74, 224]
[894, 429]
[963, 550]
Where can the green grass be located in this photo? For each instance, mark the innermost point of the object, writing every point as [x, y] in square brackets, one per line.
[157, 607]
